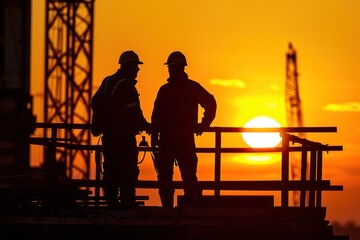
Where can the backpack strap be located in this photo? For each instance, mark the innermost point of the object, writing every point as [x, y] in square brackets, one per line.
[106, 83]
[116, 85]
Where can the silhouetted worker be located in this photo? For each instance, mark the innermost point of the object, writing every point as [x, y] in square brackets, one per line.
[123, 120]
[175, 118]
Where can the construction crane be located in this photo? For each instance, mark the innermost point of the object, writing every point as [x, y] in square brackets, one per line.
[293, 112]
[68, 77]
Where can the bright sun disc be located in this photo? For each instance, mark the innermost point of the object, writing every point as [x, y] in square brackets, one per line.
[262, 139]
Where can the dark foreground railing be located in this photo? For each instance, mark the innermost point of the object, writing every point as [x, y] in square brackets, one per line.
[310, 185]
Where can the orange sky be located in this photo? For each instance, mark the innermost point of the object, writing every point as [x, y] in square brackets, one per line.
[242, 44]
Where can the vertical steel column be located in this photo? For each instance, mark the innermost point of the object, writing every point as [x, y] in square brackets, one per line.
[68, 76]
[98, 154]
[217, 161]
[312, 175]
[285, 170]
[319, 174]
[293, 111]
[303, 174]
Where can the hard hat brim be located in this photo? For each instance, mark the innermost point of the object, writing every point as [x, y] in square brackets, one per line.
[137, 62]
[172, 64]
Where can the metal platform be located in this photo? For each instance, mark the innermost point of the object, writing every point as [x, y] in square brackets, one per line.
[275, 223]
[54, 206]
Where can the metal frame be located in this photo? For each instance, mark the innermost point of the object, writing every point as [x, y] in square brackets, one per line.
[68, 77]
[294, 114]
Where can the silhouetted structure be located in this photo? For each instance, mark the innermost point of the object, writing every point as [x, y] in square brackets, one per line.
[63, 207]
[68, 76]
[293, 111]
[51, 205]
[16, 104]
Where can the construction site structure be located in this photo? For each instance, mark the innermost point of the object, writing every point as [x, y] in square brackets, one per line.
[294, 113]
[47, 206]
[57, 208]
[16, 103]
[68, 78]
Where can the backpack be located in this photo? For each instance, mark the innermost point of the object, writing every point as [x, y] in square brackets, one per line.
[99, 103]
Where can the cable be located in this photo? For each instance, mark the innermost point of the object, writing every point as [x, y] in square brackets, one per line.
[145, 144]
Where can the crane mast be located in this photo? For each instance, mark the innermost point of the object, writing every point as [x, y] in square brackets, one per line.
[68, 77]
[293, 112]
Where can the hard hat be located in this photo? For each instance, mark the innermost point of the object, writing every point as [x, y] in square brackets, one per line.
[176, 58]
[128, 57]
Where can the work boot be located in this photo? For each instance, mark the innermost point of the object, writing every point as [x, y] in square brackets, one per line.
[192, 197]
[167, 200]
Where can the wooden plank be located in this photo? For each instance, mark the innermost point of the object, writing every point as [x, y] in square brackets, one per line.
[251, 185]
[232, 201]
[144, 214]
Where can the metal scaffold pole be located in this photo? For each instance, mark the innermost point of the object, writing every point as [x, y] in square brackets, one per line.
[68, 77]
[293, 112]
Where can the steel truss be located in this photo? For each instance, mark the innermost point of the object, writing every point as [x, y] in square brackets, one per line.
[68, 77]
[293, 112]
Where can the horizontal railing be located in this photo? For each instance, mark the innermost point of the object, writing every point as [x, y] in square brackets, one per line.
[311, 185]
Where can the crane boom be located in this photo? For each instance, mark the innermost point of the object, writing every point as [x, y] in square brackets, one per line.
[294, 114]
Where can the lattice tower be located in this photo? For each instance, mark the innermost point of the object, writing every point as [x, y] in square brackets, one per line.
[68, 77]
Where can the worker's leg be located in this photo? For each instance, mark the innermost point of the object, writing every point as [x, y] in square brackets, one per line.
[188, 161]
[110, 181]
[129, 173]
[165, 175]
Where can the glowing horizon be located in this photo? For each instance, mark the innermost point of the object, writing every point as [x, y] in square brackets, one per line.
[236, 50]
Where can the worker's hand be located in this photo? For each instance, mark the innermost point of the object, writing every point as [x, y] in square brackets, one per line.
[199, 129]
[148, 129]
[154, 140]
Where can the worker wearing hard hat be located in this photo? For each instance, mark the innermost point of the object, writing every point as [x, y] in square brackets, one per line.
[117, 100]
[175, 118]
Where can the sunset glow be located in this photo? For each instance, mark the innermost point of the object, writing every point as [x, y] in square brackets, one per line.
[236, 50]
[260, 139]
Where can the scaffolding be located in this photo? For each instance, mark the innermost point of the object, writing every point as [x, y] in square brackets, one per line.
[293, 113]
[68, 77]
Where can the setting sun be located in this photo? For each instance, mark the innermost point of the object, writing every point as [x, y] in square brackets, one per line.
[228, 54]
[260, 139]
